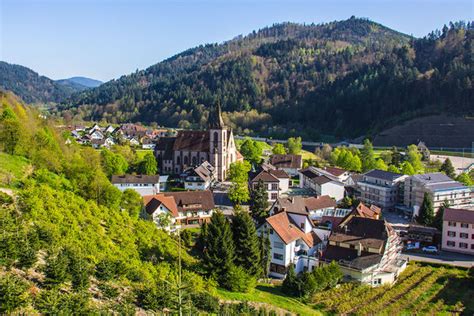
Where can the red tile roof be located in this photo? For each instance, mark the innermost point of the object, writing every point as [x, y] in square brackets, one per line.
[286, 161]
[459, 215]
[335, 171]
[152, 202]
[288, 231]
[319, 202]
[370, 212]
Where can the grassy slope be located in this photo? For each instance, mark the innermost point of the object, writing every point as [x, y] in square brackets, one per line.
[265, 293]
[12, 167]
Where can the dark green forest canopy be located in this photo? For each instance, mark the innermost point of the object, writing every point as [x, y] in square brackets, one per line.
[346, 78]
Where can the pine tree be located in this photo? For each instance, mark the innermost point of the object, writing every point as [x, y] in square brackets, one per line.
[367, 156]
[219, 254]
[291, 284]
[396, 156]
[259, 202]
[426, 215]
[448, 169]
[438, 219]
[56, 269]
[247, 253]
[265, 247]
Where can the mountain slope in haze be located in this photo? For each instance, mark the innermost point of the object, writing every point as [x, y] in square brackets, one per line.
[345, 78]
[80, 83]
[30, 86]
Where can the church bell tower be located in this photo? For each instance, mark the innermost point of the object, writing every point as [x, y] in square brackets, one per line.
[218, 142]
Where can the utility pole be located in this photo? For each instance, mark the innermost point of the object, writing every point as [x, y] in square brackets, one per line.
[180, 311]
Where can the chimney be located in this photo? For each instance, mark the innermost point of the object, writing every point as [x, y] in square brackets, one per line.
[359, 250]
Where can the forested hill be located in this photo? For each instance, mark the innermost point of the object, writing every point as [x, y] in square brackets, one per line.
[30, 86]
[344, 78]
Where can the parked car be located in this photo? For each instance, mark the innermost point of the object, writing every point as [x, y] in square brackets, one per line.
[430, 249]
[413, 245]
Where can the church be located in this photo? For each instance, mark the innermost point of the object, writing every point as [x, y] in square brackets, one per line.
[192, 148]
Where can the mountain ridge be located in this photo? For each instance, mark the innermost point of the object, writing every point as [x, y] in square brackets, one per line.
[293, 79]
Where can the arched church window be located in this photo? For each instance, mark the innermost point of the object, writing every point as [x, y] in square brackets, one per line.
[194, 160]
[216, 137]
[185, 160]
[178, 160]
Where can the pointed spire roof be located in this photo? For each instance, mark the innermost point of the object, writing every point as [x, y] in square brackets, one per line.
[215, 118]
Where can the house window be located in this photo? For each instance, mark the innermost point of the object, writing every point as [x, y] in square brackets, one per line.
[377, 281]
[271, 231]
[464, 235]
[451, 234]
[451, 244]
[277, 256]
[472, 246]
[274, 186]
[274, 196]
[464, 225]
[453, 224]
[463, 245]
[302, 225]
[278, 245]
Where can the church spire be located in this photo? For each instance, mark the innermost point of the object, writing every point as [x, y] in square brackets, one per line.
[215, 117]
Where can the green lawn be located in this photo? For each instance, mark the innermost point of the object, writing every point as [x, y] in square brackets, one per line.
[12, 168]
[269, 294]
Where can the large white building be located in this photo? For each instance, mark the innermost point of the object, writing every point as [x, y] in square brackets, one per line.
[143, 184]
[293, 241]
[440, 187]
[381, 188]
[310, 178]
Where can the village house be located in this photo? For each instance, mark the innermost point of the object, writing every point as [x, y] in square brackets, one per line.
[367, 250]
[185, 208]
[143, 184]
[372, 212]
[200, 177]
[276, 182]
[381, 188]
[190, 148]
[458, 230]
[333, 173]
[293, 241]
[321, 184]
[440, 188]
[291, 164]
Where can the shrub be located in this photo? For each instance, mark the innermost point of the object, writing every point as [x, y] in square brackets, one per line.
[206, 302]
[13, 293]
[26, 258]
[108, 291]
[56, 269]
[238, 280]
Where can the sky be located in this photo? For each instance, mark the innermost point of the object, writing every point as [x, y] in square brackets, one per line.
[104, 39]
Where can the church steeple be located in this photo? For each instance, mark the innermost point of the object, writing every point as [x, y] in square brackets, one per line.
[215, 118]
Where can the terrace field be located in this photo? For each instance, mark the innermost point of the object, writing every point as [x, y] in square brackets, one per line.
[422, 289]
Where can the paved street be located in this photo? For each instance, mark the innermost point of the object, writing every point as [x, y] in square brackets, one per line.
[443, 257]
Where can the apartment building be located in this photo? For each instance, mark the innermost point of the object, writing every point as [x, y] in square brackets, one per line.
[381, 188]
[440, 187]
[458, 230]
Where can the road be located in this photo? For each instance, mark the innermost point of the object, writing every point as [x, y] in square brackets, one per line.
[444, 257]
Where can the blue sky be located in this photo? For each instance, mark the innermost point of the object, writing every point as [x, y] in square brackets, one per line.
[104, 39]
